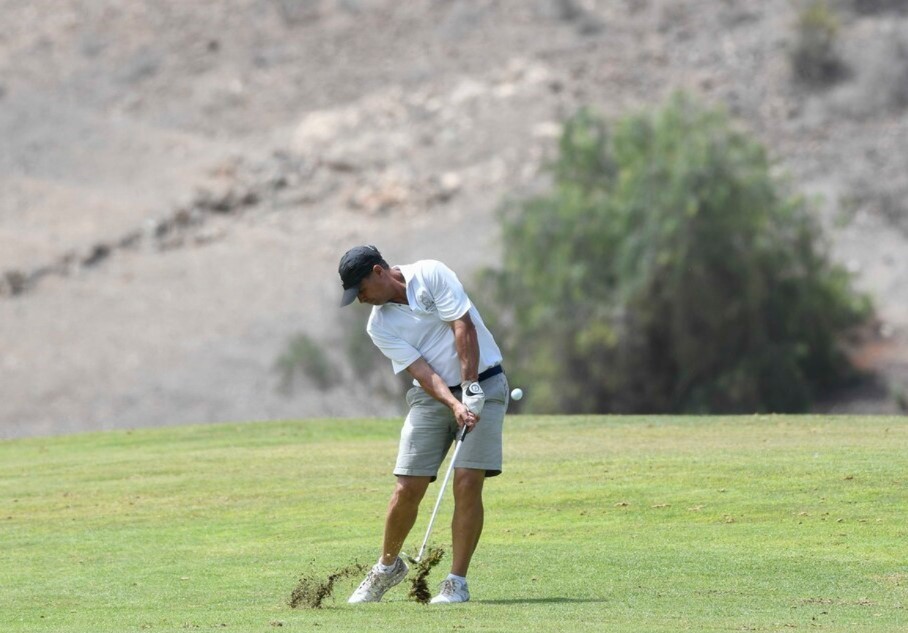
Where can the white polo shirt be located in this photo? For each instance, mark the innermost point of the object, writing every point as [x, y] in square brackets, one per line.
[404, 333]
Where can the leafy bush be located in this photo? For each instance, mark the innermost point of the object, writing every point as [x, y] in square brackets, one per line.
[369, 366]
[304, 357]
[668, 271]
[814, 56]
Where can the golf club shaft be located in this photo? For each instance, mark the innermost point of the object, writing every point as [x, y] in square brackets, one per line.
[441, 493]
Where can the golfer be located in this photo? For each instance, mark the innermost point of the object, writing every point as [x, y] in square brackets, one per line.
[423, 321]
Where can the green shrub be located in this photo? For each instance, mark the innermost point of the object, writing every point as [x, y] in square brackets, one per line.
[814, 56]
[667, 272]
[369, 366]
[304, 357]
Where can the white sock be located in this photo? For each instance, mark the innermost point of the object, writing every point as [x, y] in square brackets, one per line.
[461, 579]
[385, 568]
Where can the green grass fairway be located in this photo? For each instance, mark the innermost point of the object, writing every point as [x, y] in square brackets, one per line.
[627, 524]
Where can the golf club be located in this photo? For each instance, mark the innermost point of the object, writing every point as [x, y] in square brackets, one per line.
[441, 493]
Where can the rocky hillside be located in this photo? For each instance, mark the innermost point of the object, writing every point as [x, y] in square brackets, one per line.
[178, 179]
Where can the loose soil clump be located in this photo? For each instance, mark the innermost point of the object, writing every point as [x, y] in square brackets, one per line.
[311, 592]
[420, 587]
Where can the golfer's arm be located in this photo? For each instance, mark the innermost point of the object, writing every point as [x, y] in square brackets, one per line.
[433, 384]
[467, 344]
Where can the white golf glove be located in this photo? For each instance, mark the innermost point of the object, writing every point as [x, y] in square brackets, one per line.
[473, 398]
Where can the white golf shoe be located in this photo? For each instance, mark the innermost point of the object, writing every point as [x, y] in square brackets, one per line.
[452, 590]
[377, 583]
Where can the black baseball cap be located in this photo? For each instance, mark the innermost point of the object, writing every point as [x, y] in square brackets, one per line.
[355, 265]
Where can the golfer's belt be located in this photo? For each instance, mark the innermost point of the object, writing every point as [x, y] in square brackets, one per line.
[494, 370]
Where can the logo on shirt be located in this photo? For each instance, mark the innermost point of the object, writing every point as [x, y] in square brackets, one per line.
[426, 300]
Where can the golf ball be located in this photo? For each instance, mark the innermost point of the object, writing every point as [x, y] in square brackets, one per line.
[516, 394]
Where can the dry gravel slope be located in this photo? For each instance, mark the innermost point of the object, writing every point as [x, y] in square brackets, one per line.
[177, 179]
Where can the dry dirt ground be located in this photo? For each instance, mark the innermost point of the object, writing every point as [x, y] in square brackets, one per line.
[178, 179]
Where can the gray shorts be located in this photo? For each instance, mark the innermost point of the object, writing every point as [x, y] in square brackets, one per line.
[430, 429]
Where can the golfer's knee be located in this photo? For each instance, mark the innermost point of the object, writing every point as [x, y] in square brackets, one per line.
[468, 484]
[410, 490]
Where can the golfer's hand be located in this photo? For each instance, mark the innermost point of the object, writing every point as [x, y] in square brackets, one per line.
[473, 397]
[464, 417]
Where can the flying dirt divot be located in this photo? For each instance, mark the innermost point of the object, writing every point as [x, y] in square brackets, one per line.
[311, 593]
[420, 588]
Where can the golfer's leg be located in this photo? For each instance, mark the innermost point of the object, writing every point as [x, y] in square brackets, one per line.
[466, 526]
[402, 511]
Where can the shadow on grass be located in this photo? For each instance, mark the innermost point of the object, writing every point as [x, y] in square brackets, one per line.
[542, 601]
